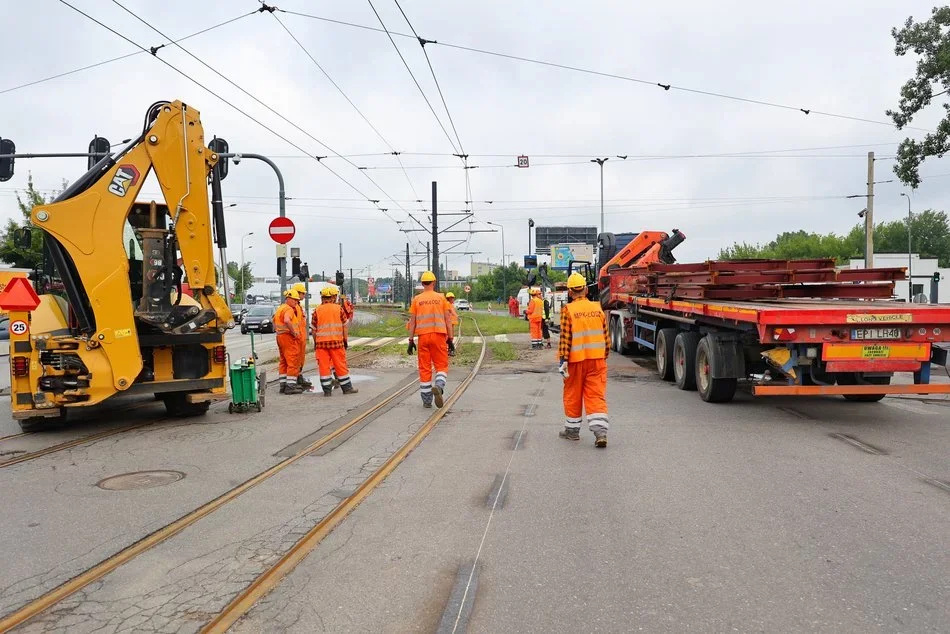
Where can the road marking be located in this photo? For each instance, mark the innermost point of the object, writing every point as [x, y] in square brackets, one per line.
[404, 341]
[359, 341]
[501, 337]
[382, 342]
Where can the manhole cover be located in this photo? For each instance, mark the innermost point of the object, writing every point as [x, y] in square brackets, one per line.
[139, 480]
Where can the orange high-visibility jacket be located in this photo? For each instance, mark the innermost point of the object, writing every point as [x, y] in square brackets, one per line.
[285, 319]
[587, 330]
[535, 310]
[328, 323]
[429, 312]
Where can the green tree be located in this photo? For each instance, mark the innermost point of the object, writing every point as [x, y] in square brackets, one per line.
[930, 236]
[243, 279]
[930, 41]
[10, 252]
[793, 245]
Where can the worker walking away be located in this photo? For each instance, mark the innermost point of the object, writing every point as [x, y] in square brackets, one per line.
[430, 320]
[450, 296]
[287, 327]
[535, 315]
[582, 356]
[330, 342]
[301, 314]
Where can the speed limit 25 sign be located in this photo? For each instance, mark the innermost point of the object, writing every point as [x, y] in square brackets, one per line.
[18, 327]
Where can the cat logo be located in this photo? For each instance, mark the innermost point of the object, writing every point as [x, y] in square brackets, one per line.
[125, 177]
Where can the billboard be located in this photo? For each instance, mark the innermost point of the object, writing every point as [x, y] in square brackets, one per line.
[547, 237]
[563, 254]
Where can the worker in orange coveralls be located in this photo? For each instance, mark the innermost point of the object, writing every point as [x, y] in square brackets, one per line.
[430, 319]
[455, 316]
[287, 327]
[301, 289]
[535, 314]
[582, 354]
[330, 341]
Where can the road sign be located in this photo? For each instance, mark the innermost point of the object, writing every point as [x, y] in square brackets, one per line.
[523, 161]
[19, 295]
[281, 230]
[18, 327]
[468, 289]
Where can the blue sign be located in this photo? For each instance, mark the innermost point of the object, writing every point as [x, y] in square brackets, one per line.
[561, 257]
[384, 288]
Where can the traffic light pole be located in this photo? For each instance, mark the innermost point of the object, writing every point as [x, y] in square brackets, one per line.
[434, 262]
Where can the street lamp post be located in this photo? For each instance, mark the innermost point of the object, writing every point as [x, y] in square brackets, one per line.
[241, 272]
[504, 266]
[601, 161]
[910, 279]
[530, 224]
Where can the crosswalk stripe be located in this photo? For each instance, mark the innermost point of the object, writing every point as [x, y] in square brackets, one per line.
[404, 342]
[359, 341]
[501, 337]
[382, 342]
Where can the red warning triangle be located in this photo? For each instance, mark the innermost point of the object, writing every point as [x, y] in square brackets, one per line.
[19, 295]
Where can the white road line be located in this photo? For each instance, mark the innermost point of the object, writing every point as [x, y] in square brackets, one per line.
[382, 342]
[404, 341]
[359, 341]
[501, 337]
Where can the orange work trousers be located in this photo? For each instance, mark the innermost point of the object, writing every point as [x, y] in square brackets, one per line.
[433, 349]
[331, 360]
[535, 330]
[585, 390]
[303, 353]
[290, 362]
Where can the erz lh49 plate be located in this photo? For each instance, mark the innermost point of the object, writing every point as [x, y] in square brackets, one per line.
[865, 334]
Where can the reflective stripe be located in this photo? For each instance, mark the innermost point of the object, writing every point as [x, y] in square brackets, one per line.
[588, 333]
[586, 346]
[570, 425]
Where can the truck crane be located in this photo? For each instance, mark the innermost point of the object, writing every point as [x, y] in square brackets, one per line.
[112, 317]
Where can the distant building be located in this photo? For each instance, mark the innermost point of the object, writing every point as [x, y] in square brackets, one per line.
[482, 268]
[922, 272]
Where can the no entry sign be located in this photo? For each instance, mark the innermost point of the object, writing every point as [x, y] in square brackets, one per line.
[281, 230]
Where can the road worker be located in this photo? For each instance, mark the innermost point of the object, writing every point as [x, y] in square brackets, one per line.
[430, 319]
[331, 341]
[535, 315]
[582, 355]
[301, 289]
[287, 327]
[348, 309]
[545, 329]
[454, 318]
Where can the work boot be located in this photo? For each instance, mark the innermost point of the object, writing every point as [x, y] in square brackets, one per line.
[304, 383]
[349, 389]
[327, 391]
[293, 388]
[437, 396]
[600, 439]
[283, 386]
[570, 434]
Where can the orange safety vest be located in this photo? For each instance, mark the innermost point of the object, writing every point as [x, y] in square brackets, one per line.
[453, 314]
[535, 310]
[301, 319]
[281, 319]
[328, 321]
[428, 312]
[587, 330]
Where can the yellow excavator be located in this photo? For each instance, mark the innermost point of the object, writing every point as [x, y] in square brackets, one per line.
[113, 317]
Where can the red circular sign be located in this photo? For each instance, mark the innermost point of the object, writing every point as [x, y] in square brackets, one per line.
[281, 230]
[468, 289]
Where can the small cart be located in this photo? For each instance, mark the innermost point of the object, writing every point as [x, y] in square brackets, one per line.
[247, 386]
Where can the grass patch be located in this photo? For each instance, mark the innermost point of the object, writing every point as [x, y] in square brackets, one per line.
[503, 351]
[494, 325]
[388, 325]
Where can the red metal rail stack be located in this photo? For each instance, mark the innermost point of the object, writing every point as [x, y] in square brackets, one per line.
[756, 280]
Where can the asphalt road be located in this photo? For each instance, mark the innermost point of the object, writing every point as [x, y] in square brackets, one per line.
[759, 515]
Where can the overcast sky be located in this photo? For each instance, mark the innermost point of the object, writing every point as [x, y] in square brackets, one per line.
[837, 57]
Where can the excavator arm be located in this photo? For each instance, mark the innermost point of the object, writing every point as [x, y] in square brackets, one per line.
[85, 241]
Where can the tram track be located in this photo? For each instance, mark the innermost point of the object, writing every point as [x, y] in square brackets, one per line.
[269, 579]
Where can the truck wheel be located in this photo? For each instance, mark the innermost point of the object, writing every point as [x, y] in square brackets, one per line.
[852, 378]
[177, 406]
[37, 424]
[711, 390]
[684, 359]
[664, 353]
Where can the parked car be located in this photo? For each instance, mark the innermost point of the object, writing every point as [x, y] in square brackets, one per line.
[462, 304]
[258, 319]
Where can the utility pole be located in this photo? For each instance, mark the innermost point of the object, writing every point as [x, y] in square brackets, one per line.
[352, 287]
[428, 256]
[869, 217]
[341, 256]
[408, 278]
[530, 224]
[910, 260]
[601, 161]
[435, 232]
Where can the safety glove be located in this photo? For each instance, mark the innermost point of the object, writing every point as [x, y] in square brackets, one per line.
[451, 343]
[563, 368]
[346, 344]
[412, 347]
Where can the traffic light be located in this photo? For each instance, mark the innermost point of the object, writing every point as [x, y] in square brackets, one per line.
[340, 278]
[304, 274]
[295, 266]
[220, 146]
[98, 149]
[937, 276]
[6, 164]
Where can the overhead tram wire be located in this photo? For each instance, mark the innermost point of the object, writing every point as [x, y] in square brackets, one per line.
[379, 134]
[133, 54]
[257, 100]
[666, 87]
[219, 97]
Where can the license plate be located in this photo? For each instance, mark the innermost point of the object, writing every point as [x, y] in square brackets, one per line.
[875, 352]
[865, 334]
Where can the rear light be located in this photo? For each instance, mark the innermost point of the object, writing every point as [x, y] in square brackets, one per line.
[21, 366]
[784, 334]
[220, 354]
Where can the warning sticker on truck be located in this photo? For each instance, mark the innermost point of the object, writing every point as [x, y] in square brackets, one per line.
[880, 318]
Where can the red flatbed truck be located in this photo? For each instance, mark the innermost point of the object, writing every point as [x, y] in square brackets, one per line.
[781, 346]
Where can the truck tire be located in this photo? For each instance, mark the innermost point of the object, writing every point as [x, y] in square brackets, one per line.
[615, 334]
[177, 406]
[711, 390]
[684, 359]
[851, 378]
[38, 424]
[664, 352]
